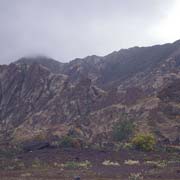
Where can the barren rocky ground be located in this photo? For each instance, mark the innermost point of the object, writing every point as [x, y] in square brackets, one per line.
[56, 164]
[45, 101]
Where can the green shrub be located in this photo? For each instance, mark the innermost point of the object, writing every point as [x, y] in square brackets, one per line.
[68, 142]
[122, 130]
[145, 142]
[127, 146]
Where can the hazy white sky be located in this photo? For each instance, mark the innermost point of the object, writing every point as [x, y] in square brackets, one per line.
[168, 28]
[66, 29]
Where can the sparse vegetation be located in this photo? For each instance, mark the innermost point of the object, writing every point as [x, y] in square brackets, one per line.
[87, 164]
[75, 165]
[127, 146]
[36, 163]
[131, 162]
[26, 174]
[122, 130]
[68, 142]
[71, 165]
[135, 176]
[12, 164]
[157, 164]
[10, 152]
[110, 163]
[145, 142]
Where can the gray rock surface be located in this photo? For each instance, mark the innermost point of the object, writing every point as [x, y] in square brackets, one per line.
[41, 98]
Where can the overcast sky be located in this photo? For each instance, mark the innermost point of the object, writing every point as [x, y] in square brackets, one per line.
[66, 29]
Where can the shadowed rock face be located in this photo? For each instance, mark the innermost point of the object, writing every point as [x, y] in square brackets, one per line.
[42, 98]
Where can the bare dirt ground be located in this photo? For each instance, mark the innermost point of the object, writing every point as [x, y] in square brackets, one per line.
[58, 164]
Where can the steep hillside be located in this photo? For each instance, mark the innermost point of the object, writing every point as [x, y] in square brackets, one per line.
[40, 97]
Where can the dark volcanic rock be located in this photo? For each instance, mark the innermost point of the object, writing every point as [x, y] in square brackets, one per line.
[34, 145]
[42, 98]
[171, 92]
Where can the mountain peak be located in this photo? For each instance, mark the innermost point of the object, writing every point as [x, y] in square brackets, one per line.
[177, 42]
[53, 65]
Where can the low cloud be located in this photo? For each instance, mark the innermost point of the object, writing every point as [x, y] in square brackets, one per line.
[66, 29]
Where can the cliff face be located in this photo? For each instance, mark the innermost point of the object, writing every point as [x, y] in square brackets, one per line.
[40, 97]
[34, 101]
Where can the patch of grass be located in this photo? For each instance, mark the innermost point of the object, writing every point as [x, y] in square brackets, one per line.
[71, 165]
[127, 146]
[157, 164]
[26, 174]
[68, 142]
[131, 162]
[110, 163]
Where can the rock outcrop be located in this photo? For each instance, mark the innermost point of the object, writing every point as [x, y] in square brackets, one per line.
[41, 98]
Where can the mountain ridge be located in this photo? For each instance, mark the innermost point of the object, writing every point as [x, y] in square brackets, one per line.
[43, 97]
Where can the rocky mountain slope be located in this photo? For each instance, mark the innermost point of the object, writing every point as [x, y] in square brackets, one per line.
[43, 98]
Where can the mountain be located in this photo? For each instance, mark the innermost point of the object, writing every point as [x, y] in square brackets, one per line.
[53, 65]
[43, 98]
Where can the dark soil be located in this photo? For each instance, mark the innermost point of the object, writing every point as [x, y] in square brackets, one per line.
[47, 164]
